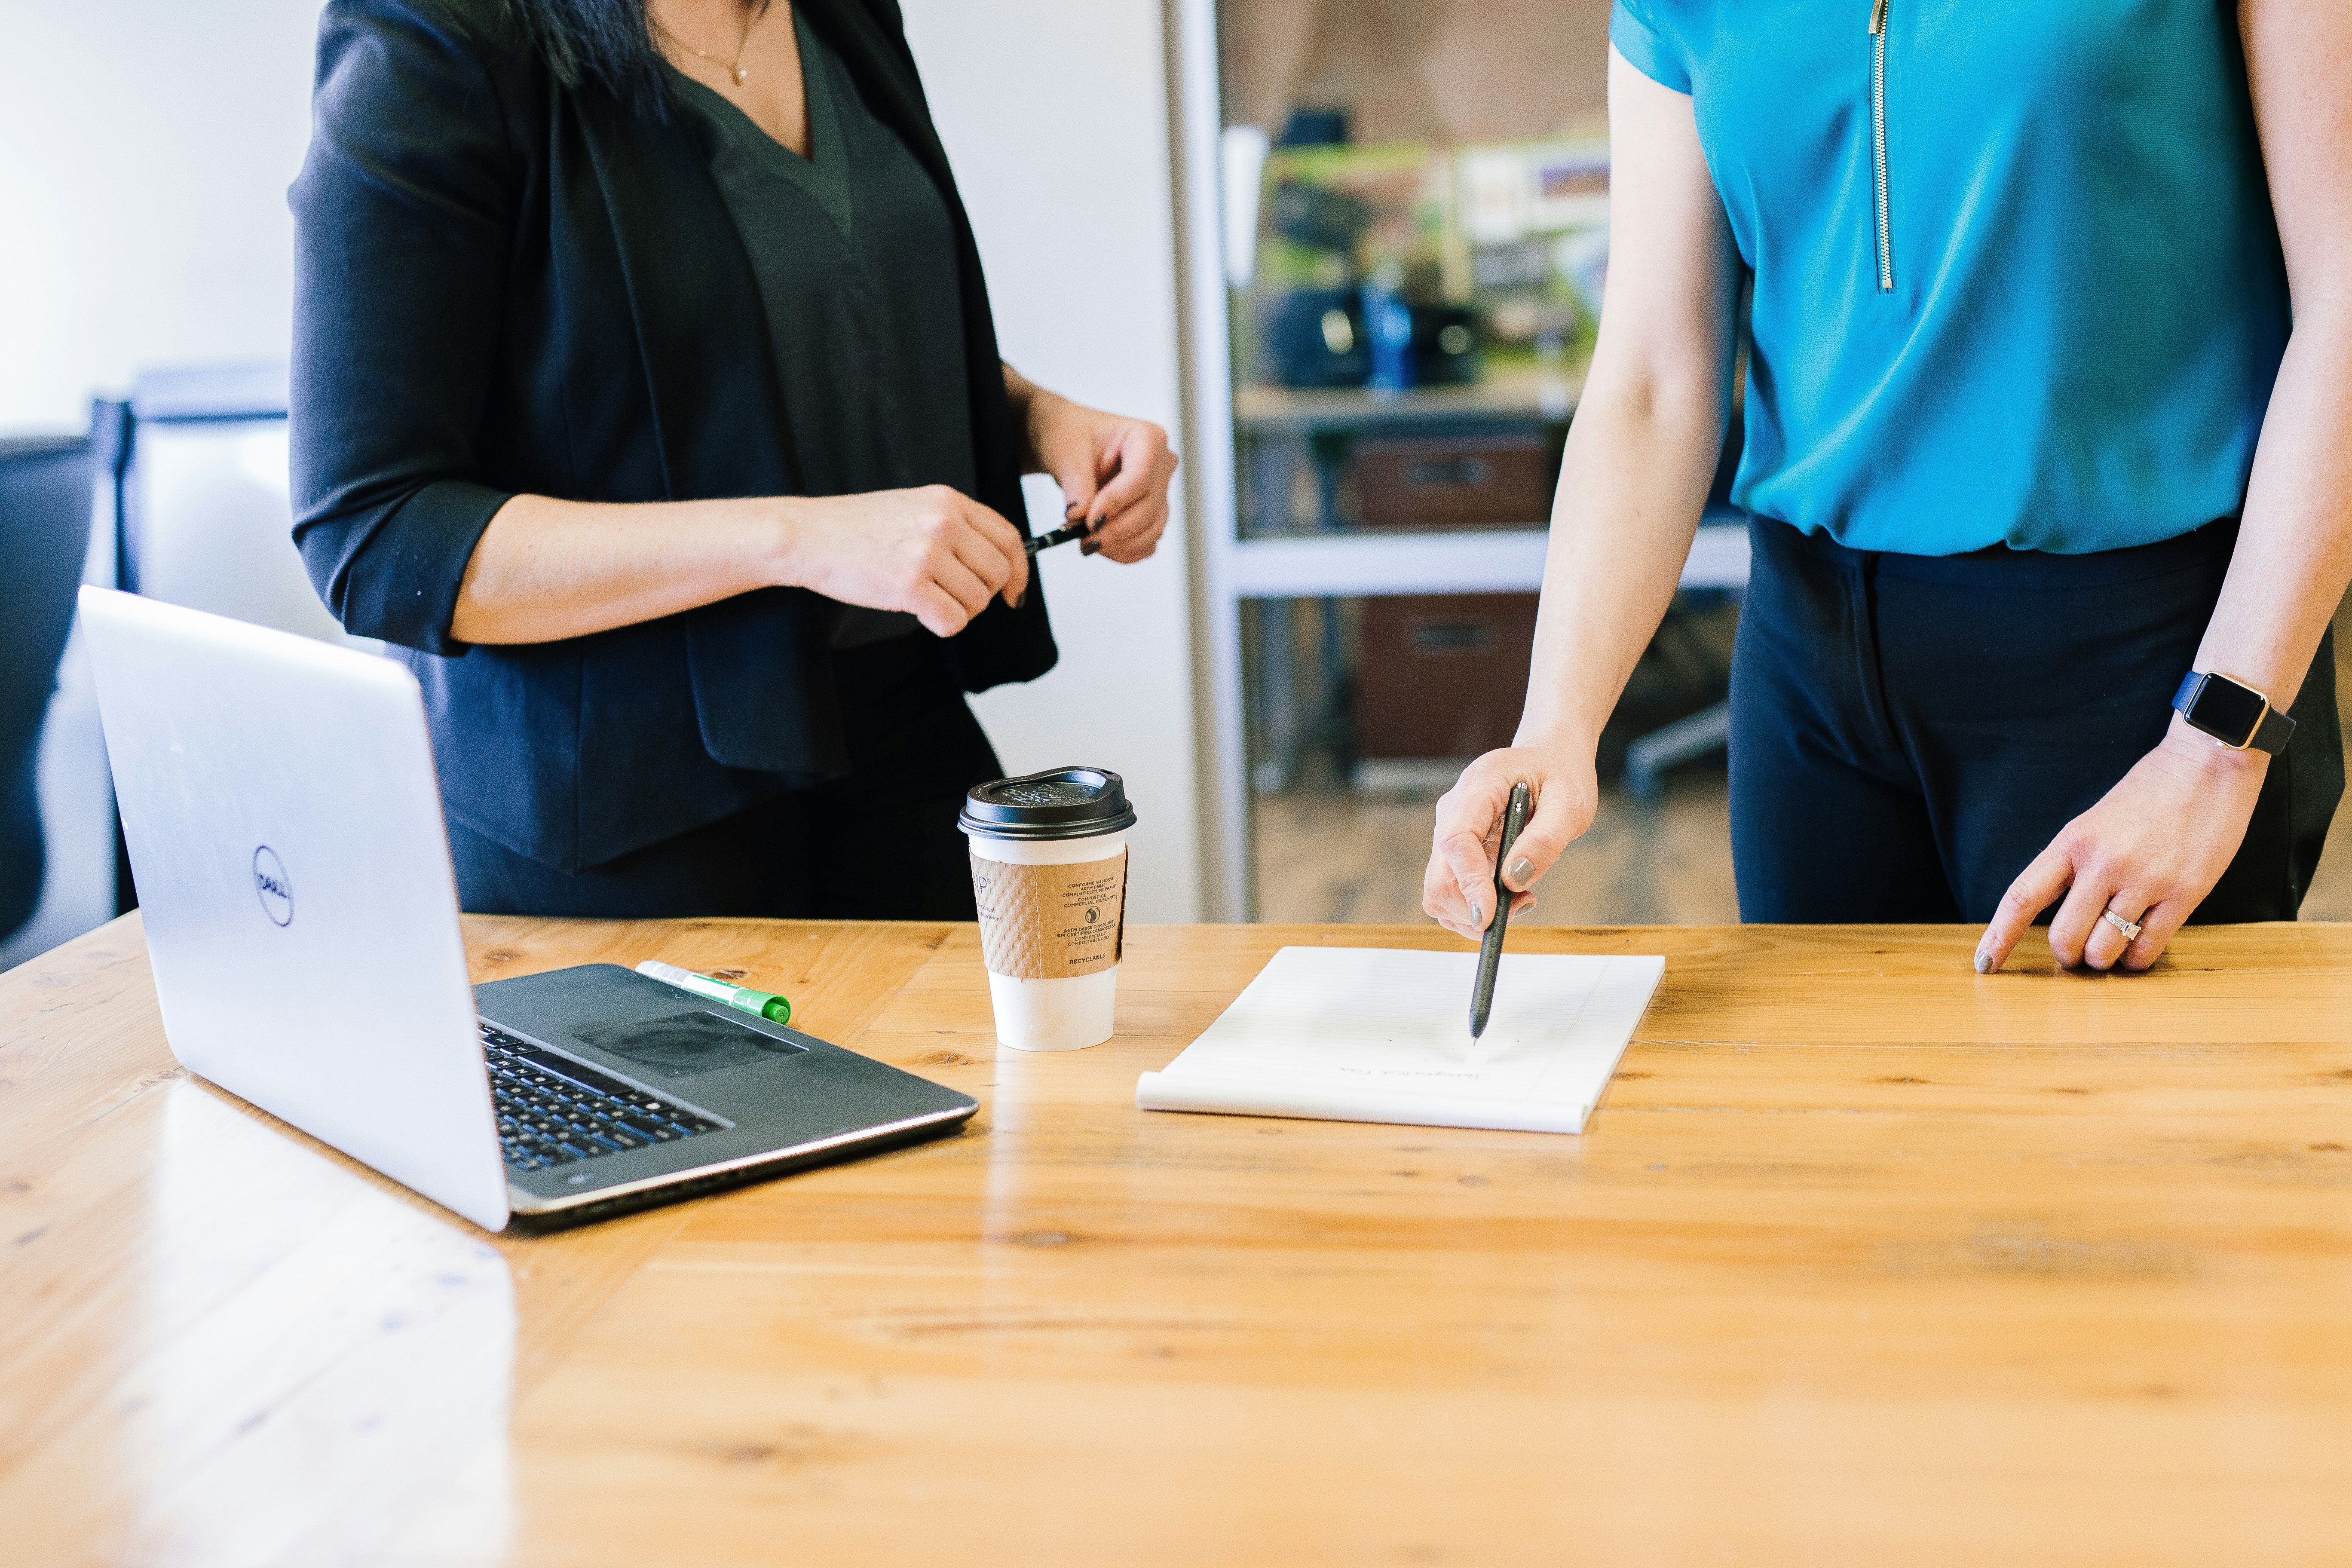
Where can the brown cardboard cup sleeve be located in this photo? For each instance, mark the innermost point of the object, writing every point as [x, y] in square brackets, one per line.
[1050, 922]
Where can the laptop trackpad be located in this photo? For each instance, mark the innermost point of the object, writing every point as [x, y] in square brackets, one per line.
[687, 1045]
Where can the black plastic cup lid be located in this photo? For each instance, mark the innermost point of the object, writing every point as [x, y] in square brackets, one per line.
[1060, 803]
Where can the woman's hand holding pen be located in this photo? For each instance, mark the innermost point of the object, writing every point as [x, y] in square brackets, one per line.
[934, 553]
[1458, 886]
[1114, 472]
[548, 569]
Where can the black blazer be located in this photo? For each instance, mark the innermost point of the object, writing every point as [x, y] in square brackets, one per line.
[504, 286]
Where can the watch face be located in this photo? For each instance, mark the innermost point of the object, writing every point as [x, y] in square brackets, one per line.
[2227, 710]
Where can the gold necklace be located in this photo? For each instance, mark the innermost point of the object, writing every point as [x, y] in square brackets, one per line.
[737, 69]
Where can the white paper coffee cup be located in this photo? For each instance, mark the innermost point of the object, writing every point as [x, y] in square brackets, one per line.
[1049, 875]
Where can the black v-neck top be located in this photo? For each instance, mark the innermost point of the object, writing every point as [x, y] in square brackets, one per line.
[855, 258]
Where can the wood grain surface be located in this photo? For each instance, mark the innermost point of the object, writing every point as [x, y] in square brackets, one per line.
[1865, 1260]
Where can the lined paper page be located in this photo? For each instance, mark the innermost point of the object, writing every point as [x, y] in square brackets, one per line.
[1383, 1034]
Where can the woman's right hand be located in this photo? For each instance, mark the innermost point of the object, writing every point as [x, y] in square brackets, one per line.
[1458, 891]
[933, 552]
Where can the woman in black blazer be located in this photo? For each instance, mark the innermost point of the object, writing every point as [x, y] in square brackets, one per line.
[647, 399]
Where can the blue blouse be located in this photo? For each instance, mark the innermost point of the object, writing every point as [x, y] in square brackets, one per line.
[2017, 278]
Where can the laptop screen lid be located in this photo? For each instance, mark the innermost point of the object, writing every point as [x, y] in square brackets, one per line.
[284, 823]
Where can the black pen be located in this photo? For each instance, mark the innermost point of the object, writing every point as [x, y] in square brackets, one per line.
[1490, 951]
[1062, 535]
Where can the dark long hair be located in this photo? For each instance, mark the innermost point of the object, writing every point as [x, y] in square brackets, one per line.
[609, 43]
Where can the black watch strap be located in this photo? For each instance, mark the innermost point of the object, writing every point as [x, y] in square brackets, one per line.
[2271, 734]
[2233, 713]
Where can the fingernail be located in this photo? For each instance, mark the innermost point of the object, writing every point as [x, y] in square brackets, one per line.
[1476, 918]
[1521, 869]
[1984, 963]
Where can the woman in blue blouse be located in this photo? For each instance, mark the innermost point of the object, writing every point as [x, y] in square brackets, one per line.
[2048, 457]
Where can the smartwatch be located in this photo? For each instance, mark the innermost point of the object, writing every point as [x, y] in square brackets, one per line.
[2235, 715]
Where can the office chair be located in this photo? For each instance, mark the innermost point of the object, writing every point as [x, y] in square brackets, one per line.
[46, 496]
[206, 519]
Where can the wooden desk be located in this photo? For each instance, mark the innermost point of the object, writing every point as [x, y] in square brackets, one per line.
[1865, 1261]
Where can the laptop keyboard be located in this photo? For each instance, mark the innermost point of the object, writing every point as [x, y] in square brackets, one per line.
[553, 1111]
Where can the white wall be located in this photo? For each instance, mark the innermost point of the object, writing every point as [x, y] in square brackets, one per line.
[145, 148]
[1055, 115]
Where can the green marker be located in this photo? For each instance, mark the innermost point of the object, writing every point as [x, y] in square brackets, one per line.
[766, 1003]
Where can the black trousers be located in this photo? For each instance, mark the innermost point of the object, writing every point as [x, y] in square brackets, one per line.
[1908, 731]
[879, 844]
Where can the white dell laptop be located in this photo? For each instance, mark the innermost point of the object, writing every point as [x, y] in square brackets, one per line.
[284, 829]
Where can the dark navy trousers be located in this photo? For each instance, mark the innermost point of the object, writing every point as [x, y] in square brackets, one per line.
[1908, 731]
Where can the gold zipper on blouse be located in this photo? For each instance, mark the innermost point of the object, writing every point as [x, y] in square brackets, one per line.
[1878, 145]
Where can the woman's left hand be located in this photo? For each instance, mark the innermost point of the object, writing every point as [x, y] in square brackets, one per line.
[1113, 470]
[2150, 850]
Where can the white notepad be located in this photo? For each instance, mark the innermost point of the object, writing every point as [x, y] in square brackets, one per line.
[1359, 1034]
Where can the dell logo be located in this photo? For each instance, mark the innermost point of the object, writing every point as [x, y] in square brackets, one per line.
[270, 884]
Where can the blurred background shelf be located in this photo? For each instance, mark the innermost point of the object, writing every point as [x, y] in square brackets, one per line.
[1398, 228]
[1496, 561]
[1519, 393]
